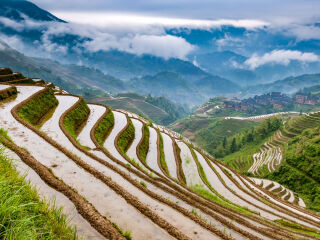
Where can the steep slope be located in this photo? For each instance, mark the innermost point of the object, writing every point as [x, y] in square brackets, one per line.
[15, 9]
[91, 153]
[170, 85]
[75, 79]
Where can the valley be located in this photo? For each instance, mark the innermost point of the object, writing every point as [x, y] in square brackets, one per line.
[198, 192]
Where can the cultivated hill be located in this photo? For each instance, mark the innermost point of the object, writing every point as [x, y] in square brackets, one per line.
[122, 177]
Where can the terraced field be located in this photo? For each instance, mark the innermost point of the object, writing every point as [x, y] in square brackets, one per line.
[123, 177]
[271, 153]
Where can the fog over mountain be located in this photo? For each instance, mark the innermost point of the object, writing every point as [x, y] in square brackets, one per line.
[138, 43]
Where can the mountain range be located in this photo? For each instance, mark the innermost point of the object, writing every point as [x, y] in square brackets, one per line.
[227, 60]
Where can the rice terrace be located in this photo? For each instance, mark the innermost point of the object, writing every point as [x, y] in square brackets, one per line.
[121, 176]
[155, 120]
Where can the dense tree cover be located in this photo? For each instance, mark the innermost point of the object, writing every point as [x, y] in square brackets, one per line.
[175, 111]
[209, 133]
[255, 134]
[301, 170]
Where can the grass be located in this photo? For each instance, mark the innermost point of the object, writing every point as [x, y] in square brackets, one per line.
[243, 159]
[104, 128]
[297, 227]
[143, 184]
[126, 138]
[22, 214]
[75, 119]
[144, 146]
[126, 234]
[205, 193]
[179, 161]
[8, 93]
[36, 109]
[163, 162]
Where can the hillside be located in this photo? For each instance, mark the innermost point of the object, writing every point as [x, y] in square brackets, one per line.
[158, 109]
[288, 85]
[208, 133]
[168, 84]
[75, 79]
[126, 178]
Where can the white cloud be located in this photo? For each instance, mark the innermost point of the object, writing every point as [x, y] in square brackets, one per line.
[283, 57]
[139, 40]
[107, 19]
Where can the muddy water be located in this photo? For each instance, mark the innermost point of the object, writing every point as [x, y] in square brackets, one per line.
[274, 201]
[2, 86]
[55, 199]
[152, 156]
[120, 122]
[123, 214]
[74, 176]
[51, 127]
[219, 187]
[132, 153]
[96, 112]
[169, 155]
[189, 166]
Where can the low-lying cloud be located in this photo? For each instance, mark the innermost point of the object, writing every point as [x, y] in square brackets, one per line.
[283, 57]
[109, 19]
[139, 40]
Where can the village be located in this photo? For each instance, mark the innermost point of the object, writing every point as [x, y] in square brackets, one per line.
[275, 100]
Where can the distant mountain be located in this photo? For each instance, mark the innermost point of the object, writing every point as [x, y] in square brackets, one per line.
[15, 9]
[215, 85]
[170, 85]
[288, 85]
[227, 64]
[75, 79]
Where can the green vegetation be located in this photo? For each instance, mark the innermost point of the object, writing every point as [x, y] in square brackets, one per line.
[297, 227]
[174, 111]
[162, 156]
[8, 93]
[301, 170]
[11, 77]
[142, 183]
[179, 161]
[126, 234]
[126, 138]
[158, 109]
[36, 109]
[75, 119]
[22, 214]
[208, 133]
[254, 135]
[104, 128]
[144, 146]
[204, 192]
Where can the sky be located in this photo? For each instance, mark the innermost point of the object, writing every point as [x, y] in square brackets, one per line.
[265, 10]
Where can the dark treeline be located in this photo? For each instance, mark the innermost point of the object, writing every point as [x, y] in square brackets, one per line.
[255, 134]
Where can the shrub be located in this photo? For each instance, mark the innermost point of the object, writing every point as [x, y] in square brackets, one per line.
[75, 119]
[126, 138]
[144, 146]
[35, 109]
[104, 128]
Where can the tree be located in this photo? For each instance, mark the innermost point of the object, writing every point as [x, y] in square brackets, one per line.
[224, 144]
[233, 146]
